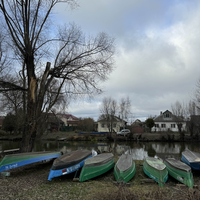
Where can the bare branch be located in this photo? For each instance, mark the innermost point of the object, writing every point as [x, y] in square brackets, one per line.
[8, 86]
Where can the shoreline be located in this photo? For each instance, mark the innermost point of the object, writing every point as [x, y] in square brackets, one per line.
[139, 137]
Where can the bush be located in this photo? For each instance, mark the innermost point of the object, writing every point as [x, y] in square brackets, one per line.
[2, 133]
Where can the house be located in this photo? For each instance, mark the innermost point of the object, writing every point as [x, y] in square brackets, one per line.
[68, 119]
[118, 124]
[166, 121]
[137, 126]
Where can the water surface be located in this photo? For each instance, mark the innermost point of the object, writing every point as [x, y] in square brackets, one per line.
[139, 150]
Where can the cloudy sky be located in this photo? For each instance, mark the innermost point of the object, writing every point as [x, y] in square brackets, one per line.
[157, 59]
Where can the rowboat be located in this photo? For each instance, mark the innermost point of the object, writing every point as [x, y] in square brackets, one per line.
[191, 158]
[17, 160]
[155, 169]
[124, 169]
[68, 163]
[96, 166]
[180, 171]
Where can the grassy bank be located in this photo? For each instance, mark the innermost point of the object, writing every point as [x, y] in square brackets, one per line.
[30, 182]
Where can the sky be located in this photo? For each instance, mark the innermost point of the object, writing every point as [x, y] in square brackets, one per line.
[157, 59]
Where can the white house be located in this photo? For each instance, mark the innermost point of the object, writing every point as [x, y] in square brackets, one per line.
[118, 124]
[166, 121]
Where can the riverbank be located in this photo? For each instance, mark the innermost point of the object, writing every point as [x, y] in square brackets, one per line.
[30, 183]
[139, 137]
[72, 136]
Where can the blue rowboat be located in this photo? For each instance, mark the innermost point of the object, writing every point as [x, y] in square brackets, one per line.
[17, 160]
[191, 158]
[68, 163]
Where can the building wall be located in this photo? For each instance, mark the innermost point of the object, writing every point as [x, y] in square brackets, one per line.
[71, 121]
[137, 129]
[102, 126]
[168, 126]
[63, 119]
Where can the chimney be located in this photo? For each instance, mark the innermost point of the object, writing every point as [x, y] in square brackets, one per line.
[160, 112]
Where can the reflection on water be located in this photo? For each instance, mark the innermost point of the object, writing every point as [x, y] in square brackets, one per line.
[138, 150]
[137, 154]
[5, 144]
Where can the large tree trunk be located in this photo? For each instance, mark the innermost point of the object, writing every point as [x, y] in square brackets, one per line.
[34, 107]
[28, 138]
[29, 133]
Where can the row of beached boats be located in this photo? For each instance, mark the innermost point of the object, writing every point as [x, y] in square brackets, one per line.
[158, 170]
[93, 165]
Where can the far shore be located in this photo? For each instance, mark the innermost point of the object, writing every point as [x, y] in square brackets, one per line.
[139, 137]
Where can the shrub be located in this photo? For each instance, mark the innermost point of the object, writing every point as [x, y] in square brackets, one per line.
[2, 132]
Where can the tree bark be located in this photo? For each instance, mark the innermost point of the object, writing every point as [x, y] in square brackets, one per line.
[29, 133]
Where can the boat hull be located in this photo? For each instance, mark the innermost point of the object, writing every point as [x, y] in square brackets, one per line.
[191, 158]
[21, 159]
[68, 163]
[124, 169]
[156, 171]
[96, 166]
[184, 176]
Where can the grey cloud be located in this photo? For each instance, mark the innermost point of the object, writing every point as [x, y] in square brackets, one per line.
[158, 45]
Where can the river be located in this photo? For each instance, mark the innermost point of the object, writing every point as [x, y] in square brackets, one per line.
[139, 150]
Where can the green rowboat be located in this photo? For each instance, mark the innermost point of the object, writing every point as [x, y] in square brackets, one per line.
[96, 166]
[180, 171]
[155, 169]
[124, 169]
[17, 160]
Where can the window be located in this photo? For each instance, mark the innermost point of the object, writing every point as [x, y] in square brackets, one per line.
[114, 125]
[102, 125]
[173, 125]
[157, 125]
[167, 115]
[163, 125]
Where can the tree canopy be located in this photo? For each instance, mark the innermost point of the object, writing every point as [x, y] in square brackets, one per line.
[150, 123]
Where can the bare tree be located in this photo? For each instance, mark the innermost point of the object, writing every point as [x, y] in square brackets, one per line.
[79, 63]
[125, 109]
[86, 124]
[108, 110]
[193, 119]
[195, 103]
[192, 108]
[180, 115]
